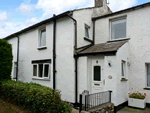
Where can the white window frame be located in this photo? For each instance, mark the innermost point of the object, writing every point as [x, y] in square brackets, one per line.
[125, 68]
[42, 72]
[115, 19]
[33, 70]
[88, 27]
[39, 37]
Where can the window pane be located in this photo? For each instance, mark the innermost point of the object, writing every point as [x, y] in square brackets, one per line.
[46, 70]
[15, 69]
[43, 38]
[123, 66]
[148, 75]
[97, 73]
[34, 70]
[86, 32]
[118, 29]
[40, 70]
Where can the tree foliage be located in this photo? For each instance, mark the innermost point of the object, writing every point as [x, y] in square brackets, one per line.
[6, 58]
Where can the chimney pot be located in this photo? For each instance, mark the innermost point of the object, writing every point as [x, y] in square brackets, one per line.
[98, 3]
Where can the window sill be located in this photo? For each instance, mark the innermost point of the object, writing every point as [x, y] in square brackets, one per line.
[41, 48]
[124, 79]
[147, 88]
[121, 39]
[88, 39]
[44, 79]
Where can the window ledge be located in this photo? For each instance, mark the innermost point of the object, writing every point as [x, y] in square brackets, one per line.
[41, 48]
[116, 40]
[147, 88]
[44, 79]
[123, 79]
[88, 39]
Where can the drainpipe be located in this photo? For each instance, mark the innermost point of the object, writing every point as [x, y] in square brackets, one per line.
[93, 31]
[17, 58]
[76, 61]
[54, 54]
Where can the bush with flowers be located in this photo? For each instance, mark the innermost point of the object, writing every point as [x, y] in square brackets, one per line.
[137, 95]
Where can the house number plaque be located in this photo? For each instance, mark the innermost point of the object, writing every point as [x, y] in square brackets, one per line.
[110, 77]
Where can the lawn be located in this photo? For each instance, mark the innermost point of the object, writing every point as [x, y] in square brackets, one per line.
[6, 107]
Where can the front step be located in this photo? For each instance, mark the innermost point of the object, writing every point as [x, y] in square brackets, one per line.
[105, 108]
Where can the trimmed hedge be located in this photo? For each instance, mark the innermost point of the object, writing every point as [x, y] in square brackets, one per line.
[5, 60]
[33, 97]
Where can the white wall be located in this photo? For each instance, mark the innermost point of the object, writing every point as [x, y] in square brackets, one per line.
[122, 86]
[82, 75]
[65, 75]
[139, 33]
[13, 42]
[110, 84]
[64, 56]
[85, 17]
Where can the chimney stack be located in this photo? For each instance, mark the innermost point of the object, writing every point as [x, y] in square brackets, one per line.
[99, 3]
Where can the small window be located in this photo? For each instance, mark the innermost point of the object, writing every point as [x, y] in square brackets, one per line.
[35, 70]
[15, 69]
[123, 67]
[97, 73]
[87, 31]
[118, 29]
[42, 42]
[41, 70]
[148, 75]
[46, 70]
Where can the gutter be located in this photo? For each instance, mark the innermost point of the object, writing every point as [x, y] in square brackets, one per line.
[76, 61]
[93, 32]
[54, 54]
[17, 58]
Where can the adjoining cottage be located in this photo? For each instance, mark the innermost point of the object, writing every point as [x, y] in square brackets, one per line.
[88, 49]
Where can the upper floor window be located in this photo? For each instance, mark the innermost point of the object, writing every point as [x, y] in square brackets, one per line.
[87, 31]
[42, 40]
[118, 29]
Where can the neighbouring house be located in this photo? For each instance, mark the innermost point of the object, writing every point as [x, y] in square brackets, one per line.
[90, 49]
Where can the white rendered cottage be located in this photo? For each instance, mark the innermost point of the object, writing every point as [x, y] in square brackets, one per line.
[89, 49]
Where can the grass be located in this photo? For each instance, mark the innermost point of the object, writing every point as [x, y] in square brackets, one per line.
[6, 107]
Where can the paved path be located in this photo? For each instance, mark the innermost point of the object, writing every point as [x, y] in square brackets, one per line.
[132, 110]
[77, 111]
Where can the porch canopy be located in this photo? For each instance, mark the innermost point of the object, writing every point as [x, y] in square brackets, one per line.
[109, 48]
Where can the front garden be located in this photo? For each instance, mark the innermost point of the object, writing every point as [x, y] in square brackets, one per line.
[33, 97]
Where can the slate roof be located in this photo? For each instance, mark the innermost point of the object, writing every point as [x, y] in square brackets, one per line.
[110, 46]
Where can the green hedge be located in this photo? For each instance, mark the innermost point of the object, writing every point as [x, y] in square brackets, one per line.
[5, 60]
[33, 97]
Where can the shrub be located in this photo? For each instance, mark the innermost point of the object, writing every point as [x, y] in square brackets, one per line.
[33, 97]
[5, 60]
[137, 95]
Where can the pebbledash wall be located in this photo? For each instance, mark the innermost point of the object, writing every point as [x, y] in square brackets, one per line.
[64, 55]
[65, 75]
[119, 89]
[138, 47]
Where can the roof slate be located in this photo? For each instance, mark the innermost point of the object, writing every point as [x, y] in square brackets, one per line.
[104, 47]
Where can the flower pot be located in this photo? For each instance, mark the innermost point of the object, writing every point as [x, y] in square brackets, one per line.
[138, 103]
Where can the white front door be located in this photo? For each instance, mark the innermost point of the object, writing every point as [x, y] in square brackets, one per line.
[97, 76]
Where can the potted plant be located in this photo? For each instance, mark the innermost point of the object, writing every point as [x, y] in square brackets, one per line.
[137, 100]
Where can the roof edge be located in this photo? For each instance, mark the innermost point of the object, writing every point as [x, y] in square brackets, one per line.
[37, 24]
[122, 11]
[106, 53]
